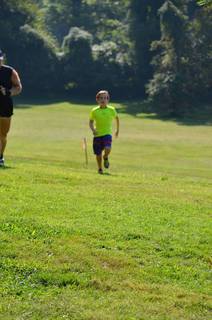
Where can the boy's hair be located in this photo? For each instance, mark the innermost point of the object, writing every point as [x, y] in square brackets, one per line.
[101, 92]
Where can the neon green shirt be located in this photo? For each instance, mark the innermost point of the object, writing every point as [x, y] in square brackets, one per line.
[103, 118]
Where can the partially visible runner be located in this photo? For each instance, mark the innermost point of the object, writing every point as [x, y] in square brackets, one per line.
[10, 85]
[100, 123]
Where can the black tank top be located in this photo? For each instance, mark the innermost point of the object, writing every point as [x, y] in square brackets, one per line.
[5, 77]
[6, 82]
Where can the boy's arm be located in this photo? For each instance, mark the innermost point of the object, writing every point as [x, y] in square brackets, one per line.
[91, 125]
[117, 126]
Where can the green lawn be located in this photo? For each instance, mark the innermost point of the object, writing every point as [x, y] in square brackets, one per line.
[131, 244]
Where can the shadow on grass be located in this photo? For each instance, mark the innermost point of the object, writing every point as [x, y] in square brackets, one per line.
[30, 102]
[5, 167]
[139, 109]
[107, 174]
[144, 110]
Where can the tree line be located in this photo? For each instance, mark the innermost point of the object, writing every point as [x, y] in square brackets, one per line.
[160, 50]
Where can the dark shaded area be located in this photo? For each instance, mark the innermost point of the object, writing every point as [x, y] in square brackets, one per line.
[145, 110]
[6, 167]
[142, 109]
[25, 103]
[134, 49]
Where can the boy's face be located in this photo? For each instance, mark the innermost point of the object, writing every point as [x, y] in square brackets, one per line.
[103, 99]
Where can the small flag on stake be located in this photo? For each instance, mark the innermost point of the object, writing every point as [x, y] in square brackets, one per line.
[84, 146]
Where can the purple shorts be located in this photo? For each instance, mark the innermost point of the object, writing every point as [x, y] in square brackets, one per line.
[100, 143]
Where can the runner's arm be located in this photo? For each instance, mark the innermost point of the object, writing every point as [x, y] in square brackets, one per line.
[16, 84]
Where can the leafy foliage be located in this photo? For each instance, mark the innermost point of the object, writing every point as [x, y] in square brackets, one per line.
[204, 2]
[144, 28]
[180, 79]
[41, 62]
[77, 56]
[123, 45]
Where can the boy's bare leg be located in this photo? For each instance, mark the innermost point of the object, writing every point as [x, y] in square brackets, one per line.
[106, 153]
[99, 161]
[105, 156]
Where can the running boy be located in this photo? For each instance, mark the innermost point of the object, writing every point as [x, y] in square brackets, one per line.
[103, 116]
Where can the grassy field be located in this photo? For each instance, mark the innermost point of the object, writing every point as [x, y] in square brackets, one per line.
[131, 244]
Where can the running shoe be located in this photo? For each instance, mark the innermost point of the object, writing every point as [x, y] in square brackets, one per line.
[106, 163]
[1, 162]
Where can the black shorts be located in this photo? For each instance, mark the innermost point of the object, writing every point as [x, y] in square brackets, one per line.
[100, 143]
[6, 106]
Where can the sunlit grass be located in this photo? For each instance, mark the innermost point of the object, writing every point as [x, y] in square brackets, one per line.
[131, 244]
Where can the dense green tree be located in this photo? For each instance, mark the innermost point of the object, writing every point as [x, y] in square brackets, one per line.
[39, 68]
[182, 66]
[110, 49]
[168, 87]
[13, 15]
[62, 15]
[200, 54]
[144, 28]
[77, 60]
[111, 70]
[28, 48]
[51, 39]
[204, 2]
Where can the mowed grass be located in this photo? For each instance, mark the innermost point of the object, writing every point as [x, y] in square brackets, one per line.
[131, 244]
